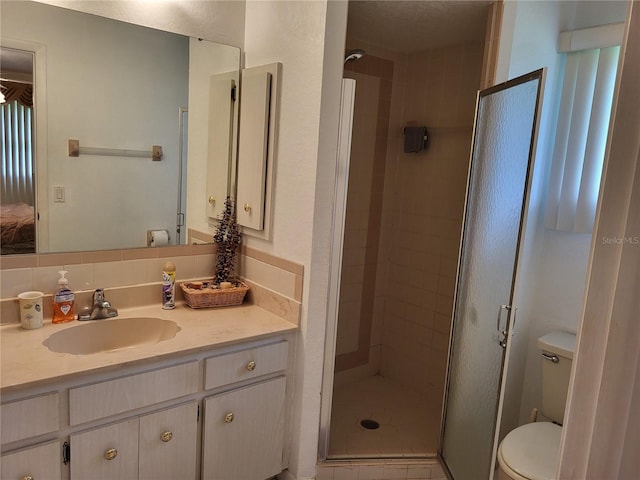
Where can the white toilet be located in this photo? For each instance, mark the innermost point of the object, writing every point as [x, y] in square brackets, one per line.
[530, 452]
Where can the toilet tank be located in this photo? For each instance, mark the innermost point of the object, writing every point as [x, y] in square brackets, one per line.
[557, 355]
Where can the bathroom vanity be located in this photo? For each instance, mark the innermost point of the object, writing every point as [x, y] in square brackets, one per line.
[209, 403]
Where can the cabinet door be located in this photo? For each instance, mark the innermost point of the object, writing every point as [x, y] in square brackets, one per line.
[243, 432]
[41, 462]
[168, 443]
[253, 147]
[107, 453]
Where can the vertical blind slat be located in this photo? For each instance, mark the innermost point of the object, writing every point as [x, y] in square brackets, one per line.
[577, 138]
[562, 138]
[17, 158]
[597, 140]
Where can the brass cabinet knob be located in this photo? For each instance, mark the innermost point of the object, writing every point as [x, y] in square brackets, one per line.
[27, 477]
[212, 200]
[166, 436]
[247, 207]
[251, 366]
[228, 418]
[111, 454]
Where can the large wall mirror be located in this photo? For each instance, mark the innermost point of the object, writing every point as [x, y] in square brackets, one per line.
[115, 87]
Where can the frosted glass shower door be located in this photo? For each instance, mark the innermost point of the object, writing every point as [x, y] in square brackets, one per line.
[504, 136]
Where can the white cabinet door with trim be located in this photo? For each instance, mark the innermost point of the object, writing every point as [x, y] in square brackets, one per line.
[168, 443]
[106, 453]
[244, 431]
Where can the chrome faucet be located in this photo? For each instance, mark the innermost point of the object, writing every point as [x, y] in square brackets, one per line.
[100, 309]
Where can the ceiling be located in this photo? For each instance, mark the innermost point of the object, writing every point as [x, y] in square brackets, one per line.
[15, 63]
[397, 25]
[411, 26]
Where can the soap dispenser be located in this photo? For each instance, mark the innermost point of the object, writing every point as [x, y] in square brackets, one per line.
[63, 300]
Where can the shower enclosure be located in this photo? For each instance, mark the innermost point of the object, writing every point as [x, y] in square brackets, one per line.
[399, 243]
[373, 402]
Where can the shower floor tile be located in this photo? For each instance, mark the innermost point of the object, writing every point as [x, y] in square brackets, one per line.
[409, 425]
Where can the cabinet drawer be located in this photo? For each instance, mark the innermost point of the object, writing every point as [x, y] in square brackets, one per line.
[91, 402]
[245, 364]
[39, 462]
[30, 417]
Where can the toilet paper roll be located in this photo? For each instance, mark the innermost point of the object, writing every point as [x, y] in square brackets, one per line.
[159, 238]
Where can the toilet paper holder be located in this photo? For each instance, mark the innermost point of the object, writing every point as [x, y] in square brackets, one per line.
[157, 238]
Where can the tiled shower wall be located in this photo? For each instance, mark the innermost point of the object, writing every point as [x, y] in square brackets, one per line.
[422, 215]
[404, 213]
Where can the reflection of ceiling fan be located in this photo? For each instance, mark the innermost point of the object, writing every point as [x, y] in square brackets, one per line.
[16, 90]
[17, 69]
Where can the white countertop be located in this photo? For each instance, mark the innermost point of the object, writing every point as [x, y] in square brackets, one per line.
[26, 362]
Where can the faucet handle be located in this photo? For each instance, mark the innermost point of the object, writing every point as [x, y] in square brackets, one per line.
[98, 295]
[101, 308]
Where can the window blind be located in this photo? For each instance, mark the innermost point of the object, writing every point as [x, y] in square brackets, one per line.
[16, 149]
[581, 137]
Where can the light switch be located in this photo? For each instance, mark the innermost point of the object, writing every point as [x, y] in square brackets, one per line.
[58, 194]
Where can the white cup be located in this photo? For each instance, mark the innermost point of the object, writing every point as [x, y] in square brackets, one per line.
[31, 309]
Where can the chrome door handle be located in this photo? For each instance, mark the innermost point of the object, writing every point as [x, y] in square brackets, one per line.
[503, 331]
[499, 322]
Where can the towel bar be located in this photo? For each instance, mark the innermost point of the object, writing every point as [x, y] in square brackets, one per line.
[75, 151]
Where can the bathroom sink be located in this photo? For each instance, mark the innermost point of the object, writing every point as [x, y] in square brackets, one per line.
[112, 334]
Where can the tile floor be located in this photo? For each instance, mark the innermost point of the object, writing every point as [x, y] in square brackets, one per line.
[423, 470]
[409, 425]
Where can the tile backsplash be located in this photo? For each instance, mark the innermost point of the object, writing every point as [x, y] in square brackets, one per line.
[113, 268]
[276, 282]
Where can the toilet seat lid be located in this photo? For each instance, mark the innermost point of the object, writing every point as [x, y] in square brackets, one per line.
[532, 450]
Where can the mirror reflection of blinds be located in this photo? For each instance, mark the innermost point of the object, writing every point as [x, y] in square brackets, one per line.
[17, 147]
[581, 137]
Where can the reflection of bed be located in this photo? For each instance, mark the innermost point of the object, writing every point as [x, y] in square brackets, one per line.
[17, 228]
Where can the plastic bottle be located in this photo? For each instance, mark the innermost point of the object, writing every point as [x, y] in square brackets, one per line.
[169, 286]
[63, 300]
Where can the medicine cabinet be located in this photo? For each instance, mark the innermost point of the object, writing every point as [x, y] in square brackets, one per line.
[259, 105]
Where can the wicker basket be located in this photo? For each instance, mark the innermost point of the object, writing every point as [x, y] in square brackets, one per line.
[213, 296]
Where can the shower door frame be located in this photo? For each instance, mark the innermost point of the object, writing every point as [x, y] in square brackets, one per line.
[540, 75]
[347, 98]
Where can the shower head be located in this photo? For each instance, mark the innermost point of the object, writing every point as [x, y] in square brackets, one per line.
[353, 55]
